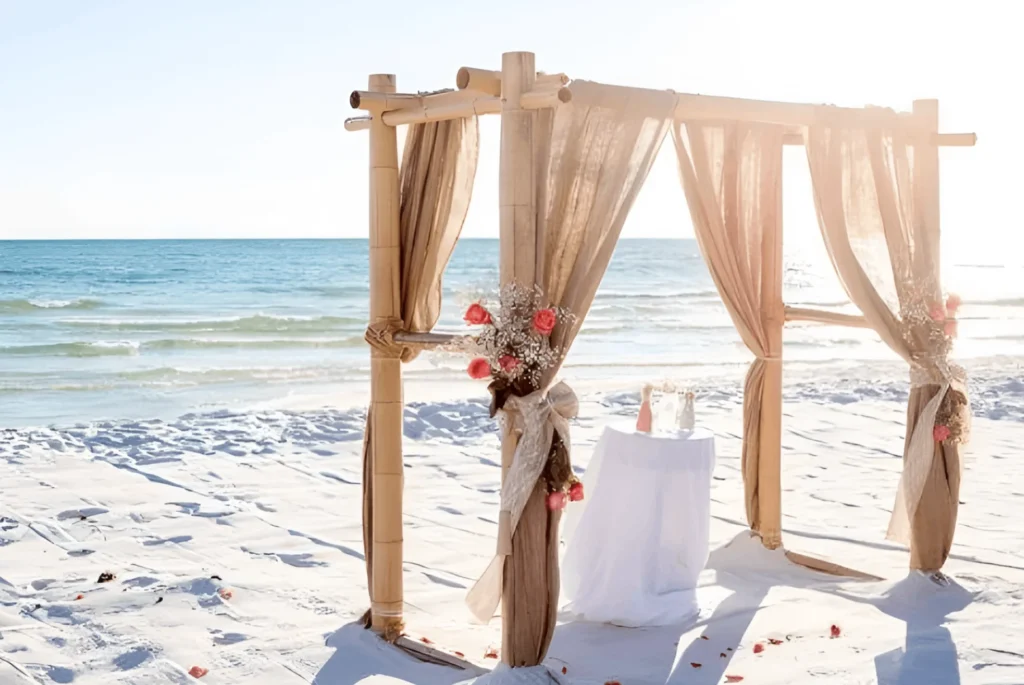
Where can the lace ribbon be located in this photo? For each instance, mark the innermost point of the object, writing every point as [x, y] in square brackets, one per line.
[534, 419]
[921, 451]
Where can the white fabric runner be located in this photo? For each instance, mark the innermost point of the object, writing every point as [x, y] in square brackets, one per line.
[635, 547]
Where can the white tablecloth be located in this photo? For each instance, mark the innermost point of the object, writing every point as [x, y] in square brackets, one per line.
[635, 546]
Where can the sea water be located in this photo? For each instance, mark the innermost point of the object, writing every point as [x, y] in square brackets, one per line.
[109, 329]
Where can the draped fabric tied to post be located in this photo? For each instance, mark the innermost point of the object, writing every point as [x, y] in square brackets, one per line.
[921, 449]
[380, 336]
[534, 419]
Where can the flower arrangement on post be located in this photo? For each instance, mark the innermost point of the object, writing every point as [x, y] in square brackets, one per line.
[932, 324]
[513, 350]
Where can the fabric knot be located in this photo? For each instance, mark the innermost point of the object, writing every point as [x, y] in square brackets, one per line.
[380, 335]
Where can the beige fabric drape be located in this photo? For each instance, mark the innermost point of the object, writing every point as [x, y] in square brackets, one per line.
[436, 180]
[594, 156]
[730, 174]
[885, 249]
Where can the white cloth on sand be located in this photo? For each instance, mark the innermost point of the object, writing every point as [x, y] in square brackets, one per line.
[636, 545]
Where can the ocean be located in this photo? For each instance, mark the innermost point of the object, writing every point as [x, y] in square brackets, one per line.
[94, 330]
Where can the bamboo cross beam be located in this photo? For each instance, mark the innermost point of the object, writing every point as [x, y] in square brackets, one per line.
[822, 316]
[487, 81]
[399, 109]
[793, 138]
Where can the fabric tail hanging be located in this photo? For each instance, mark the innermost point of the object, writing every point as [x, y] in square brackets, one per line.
[436, 180]
[730, 174]
[874, 211]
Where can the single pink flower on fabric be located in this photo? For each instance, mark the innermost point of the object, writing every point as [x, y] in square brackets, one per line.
[953, 303]
[508, 363]
[938, 313]
[476, 315]
[576, 492]
[544, 321]
[940, 433]
[479, 368]
[950, 328]
[556, 501]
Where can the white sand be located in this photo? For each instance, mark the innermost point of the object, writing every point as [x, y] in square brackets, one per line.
[269, 503]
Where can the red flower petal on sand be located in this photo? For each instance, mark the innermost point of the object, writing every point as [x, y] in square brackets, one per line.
[197, 671]
[773, 641]
[835, 631]
[79, 597]
[612, 682]
[724, 655]
[758, 648]
[733, 678]
[694, 664]
[225, 593]
[704, 637]
[459, 654]
[491, 654]
[564, 670]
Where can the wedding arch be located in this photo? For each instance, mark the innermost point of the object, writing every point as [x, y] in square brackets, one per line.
[573, 158]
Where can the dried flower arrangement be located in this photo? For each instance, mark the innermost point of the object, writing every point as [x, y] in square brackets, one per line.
[513, 350]
[932, 325]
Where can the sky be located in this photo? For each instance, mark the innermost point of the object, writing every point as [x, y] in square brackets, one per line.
[200, 118]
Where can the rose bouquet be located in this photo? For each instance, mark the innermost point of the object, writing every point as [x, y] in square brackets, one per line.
[934, 326]
[513, 349]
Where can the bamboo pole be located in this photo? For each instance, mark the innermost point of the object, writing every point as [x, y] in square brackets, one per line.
[432, 109]
[522, 615]
[427, 112]
[926, 174]
[822, 316]
[769, 462]
[386, 598]
[487, 81]
[517, 220]
[358, 123]
[485, 106]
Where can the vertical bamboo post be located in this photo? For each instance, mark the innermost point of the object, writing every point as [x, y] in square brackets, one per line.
[385, 372]
[769, 463]
[516, 192]
[926, 172]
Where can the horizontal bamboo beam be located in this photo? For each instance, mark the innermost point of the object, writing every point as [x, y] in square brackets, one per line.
[426, 340]
[489, 82]
[822, 316]
[358, 123]
[438, 108]
[940, 139]
[792, 138]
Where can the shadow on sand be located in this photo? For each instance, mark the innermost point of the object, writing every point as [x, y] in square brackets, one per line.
[744, 571]
[929, 654]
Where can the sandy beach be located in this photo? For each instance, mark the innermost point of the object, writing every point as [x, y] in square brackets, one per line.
[235, 544]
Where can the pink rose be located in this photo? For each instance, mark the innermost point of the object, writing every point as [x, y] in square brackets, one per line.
[940, 433]
[937, 313]
[952, 303]
[950, 328]
[479, 368]
[476, 315]
[556, 501]
[544, 321]
[508, 363]
[576, 492]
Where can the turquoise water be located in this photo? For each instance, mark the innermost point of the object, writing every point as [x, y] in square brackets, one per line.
[104, 329]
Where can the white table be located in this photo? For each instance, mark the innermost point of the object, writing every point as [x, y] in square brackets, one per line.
[635, 546]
